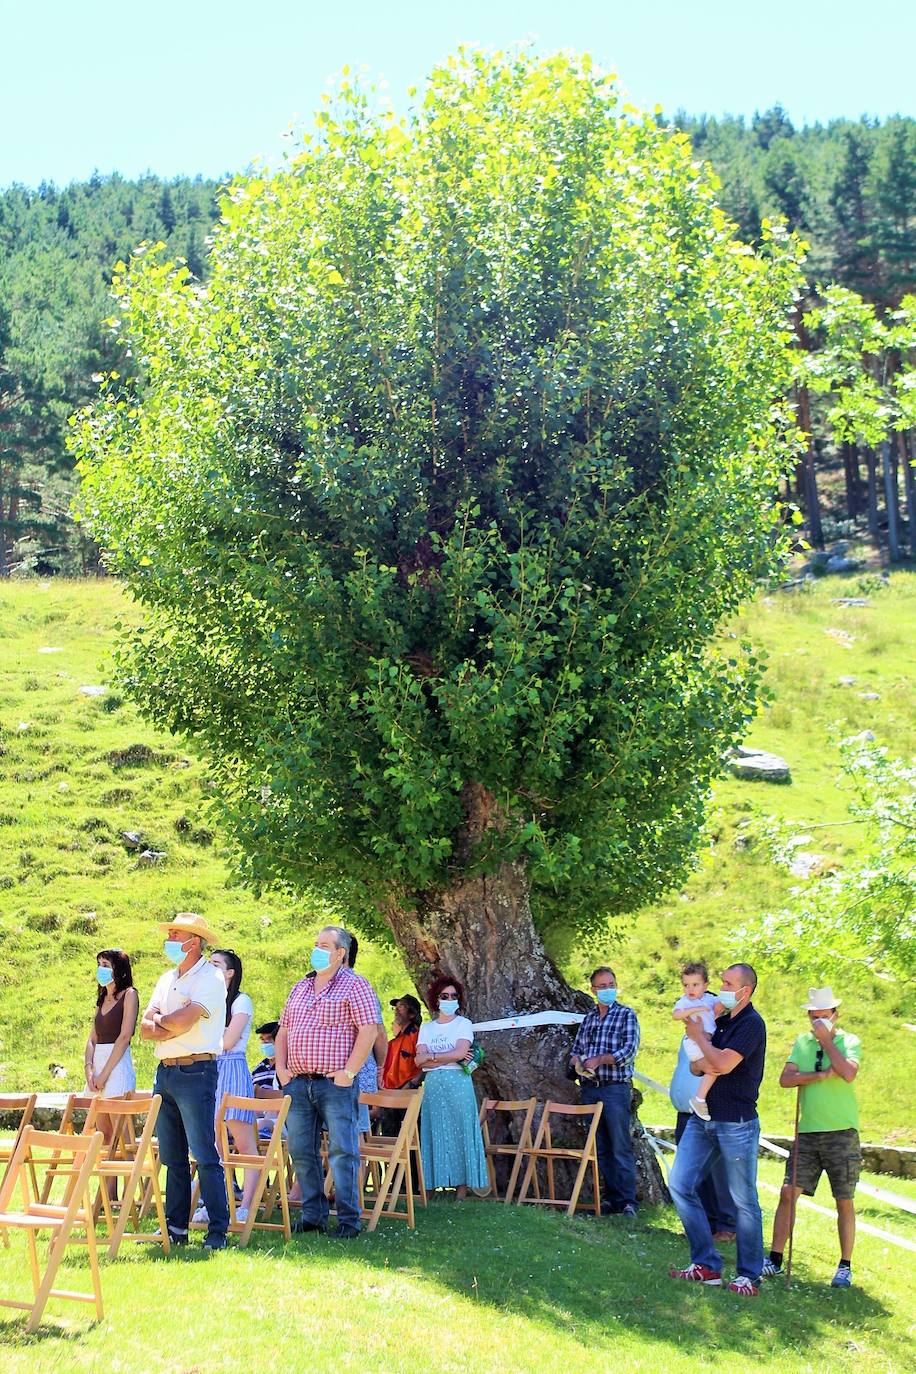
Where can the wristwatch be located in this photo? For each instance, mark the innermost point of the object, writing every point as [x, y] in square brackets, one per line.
[349, 1072]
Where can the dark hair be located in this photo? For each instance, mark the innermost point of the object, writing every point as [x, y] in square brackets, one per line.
[268, 1028]
[747, 973]
[120, 967]
[433, 992]
[698, 968]
[602, 968]
[352, 952]
[235, 982]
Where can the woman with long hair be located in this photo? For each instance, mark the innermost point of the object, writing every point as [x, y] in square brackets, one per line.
[450, 1141]
[109, 1068]
[234, 1074]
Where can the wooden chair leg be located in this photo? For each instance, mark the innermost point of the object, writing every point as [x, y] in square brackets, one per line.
[94, 1264]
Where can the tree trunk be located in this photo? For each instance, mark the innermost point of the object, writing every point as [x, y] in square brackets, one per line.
[480, 930]
[872, 468]
[891, 496]
[853, 480]
[909, 486]
[807, 475]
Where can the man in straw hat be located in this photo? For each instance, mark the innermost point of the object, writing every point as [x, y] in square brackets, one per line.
[186, 1017]
[823, 1066]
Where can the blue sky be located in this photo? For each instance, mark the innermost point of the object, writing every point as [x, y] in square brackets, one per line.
[201, 86]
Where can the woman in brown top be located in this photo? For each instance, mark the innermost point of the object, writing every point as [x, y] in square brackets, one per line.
[109, 1069]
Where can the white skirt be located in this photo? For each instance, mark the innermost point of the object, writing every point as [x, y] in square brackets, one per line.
[122, 1079]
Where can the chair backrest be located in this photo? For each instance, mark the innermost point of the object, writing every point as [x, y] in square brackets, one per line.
[38, 1148]
[133, 1123]
[524, 1107]
[280, 1106]
[20, 1104]
[590, 1112]
[76, 1102]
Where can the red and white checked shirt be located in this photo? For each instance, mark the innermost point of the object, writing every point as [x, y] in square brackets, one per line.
[321, 1027]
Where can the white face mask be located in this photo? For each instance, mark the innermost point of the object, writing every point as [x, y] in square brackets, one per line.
[823, 1021]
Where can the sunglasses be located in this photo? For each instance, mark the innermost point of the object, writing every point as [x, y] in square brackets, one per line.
[819, 1060]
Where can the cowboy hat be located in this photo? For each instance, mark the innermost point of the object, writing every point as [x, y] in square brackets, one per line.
[821, 999]
[190, 924]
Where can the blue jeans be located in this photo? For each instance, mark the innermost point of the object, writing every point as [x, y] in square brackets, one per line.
[615, 1148]
[713, 1191]
[315, 1102]
[703, 1144]
[188, 1093]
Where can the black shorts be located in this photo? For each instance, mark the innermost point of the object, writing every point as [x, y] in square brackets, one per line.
[834, 1153]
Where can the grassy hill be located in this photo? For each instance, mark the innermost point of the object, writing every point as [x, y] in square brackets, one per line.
[76, 770]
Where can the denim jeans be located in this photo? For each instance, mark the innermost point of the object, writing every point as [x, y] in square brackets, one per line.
[713, 1191]
[614, 1146]
[188, 1093]
[734, 1143]
[315, 1102]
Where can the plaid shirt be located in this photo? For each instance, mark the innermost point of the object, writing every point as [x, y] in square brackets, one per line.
[616, 1033]
[321, 1027]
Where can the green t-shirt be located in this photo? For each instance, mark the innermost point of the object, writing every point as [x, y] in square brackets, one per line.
[831, 1105]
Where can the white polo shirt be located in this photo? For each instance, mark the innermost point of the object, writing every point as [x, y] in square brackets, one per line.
[204, 985]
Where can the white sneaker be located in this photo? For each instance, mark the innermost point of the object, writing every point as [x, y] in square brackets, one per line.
[699, 1106]
[201, 1215]
[241, 1214]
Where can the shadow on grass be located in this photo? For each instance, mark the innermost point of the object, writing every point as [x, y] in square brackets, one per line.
[593, 1279]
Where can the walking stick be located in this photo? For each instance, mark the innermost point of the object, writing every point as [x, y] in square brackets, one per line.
[794, 1177]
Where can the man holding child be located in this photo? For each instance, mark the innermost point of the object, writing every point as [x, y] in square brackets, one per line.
[735, 1054]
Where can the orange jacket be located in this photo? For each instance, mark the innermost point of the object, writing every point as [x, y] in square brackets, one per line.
[400, 1064]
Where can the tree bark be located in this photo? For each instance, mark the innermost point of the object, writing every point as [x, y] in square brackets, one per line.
[872, 468]
[909, 486]
[807, 475]
[891, 496]
[481, 931]
[853, 480]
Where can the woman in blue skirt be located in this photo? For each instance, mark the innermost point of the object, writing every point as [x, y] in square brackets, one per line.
[450, 1139]
[234, 1073]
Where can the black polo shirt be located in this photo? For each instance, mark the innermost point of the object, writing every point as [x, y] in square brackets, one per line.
[733, 1096]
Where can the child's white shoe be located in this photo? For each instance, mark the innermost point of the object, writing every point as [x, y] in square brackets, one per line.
[699, 1106]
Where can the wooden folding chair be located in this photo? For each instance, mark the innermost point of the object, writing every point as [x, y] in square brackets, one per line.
[76, 1102]
[21, 1105]
[544, 1150]
[507, 1149]
[392, 1159]
[77, 1156]
[270, 1166]
[131, 1156]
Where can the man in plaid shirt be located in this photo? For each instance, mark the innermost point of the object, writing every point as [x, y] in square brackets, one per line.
[327, 1030]
[602, 1055]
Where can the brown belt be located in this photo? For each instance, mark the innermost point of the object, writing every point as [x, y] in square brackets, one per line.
[186, 1059]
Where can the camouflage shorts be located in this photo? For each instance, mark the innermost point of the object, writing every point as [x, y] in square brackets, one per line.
[834, 1153]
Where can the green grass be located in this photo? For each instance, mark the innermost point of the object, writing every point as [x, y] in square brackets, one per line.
[482, 1288]
[71, 778]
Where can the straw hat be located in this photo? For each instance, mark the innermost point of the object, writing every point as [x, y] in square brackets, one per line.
[190, 924]
[821, 999]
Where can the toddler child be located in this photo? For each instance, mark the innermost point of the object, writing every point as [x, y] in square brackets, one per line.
[698, 1004]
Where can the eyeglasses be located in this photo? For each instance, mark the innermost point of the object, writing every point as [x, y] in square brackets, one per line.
[819, 1060]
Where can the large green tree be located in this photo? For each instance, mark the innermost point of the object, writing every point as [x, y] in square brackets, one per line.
[436, 498]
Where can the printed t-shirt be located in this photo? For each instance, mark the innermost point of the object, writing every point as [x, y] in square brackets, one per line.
[733, 1096]
[831, 1105]
[439, 1037]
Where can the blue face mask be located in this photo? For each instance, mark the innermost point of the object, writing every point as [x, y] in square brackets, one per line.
[447, 1006]
[270, 1049]
[320, 959]
[607, 996]
[728, 999]
[173, 951]
[104, 976]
